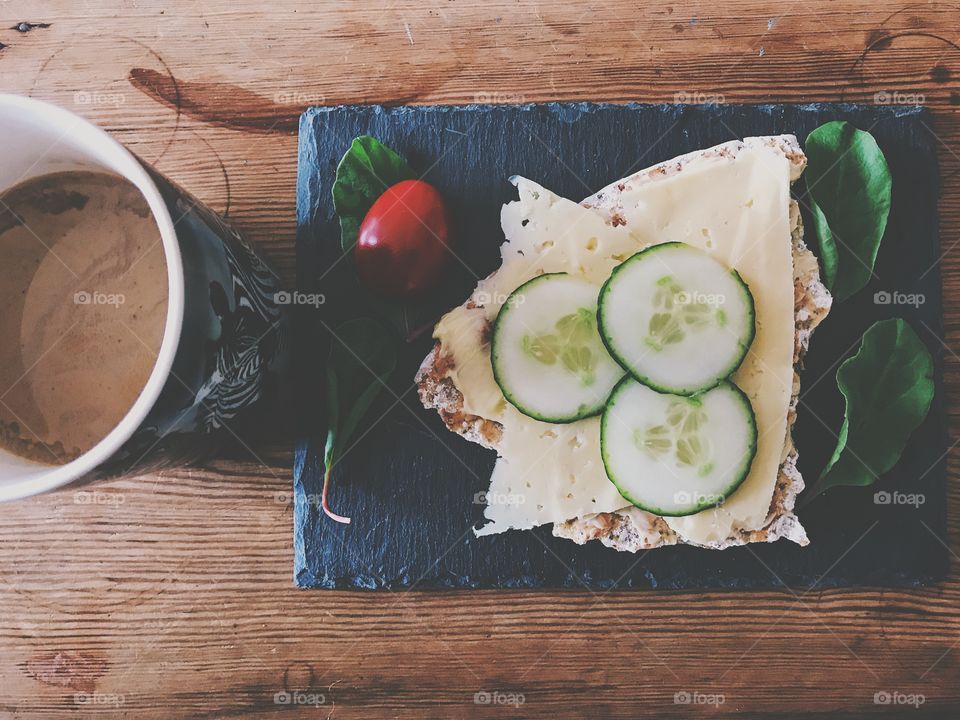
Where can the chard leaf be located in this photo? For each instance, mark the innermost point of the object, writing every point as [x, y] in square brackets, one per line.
[888, 388]
[366, 170]
[849, 184]
[363, 355]
[828, 247]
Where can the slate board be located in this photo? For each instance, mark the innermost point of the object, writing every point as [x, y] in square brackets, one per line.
[409, 485]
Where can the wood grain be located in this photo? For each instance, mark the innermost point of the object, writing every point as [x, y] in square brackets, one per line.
[171, 595]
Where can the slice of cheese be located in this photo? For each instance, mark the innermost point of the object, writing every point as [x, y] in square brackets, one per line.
[736, 208]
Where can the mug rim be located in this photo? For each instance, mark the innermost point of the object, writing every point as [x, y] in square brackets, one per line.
[113, 156]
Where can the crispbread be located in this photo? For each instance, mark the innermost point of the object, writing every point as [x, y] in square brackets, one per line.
[632, 529]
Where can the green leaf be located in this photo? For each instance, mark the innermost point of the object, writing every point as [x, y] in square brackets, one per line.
[888, 388]
[366, 170]
[350, 230]
[828, 248]
[333, 412]
[838, 450]
[363, 355]
[850, 185]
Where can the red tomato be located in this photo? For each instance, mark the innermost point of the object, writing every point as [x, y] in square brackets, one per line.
[402, 244]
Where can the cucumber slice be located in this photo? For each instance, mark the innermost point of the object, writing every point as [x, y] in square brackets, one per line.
[547, 355]
[676, 455]
[676, 318]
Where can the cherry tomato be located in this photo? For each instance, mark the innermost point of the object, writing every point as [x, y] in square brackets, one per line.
[402, 245]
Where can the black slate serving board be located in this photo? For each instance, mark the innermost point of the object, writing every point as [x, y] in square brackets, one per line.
[410, 484]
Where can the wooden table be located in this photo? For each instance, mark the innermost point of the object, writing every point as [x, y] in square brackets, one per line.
[173, 596]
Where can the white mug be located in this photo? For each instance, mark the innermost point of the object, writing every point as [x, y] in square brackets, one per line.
[208, 372]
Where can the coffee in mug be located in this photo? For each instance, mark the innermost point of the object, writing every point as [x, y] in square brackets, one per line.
[83, 285]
